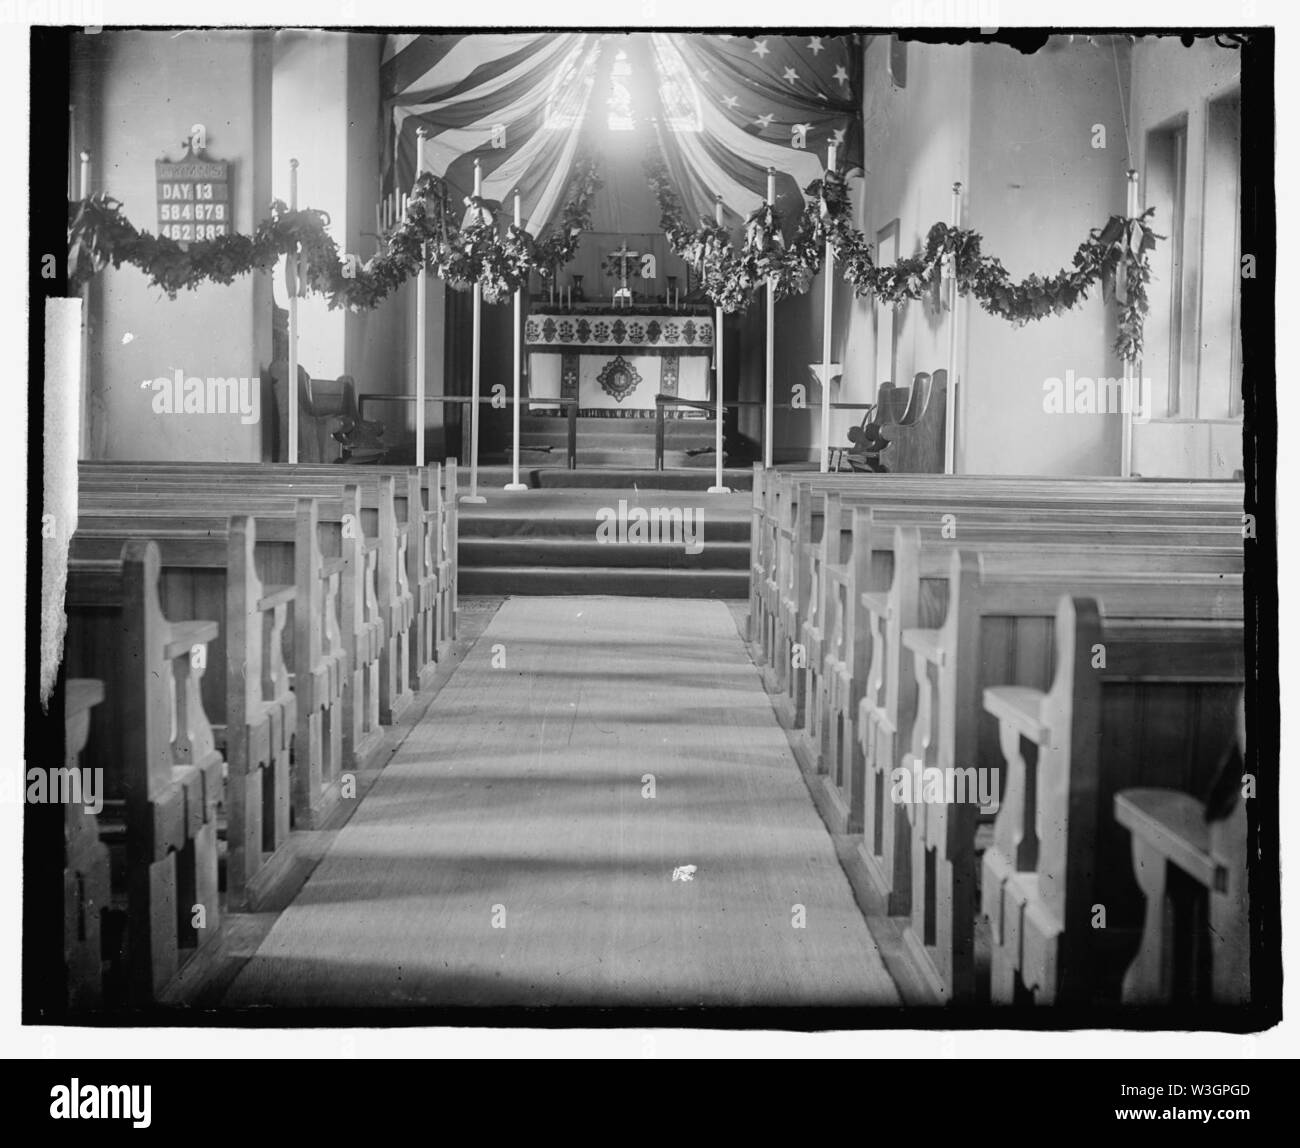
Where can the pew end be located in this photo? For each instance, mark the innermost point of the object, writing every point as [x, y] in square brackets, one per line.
[1193, 873]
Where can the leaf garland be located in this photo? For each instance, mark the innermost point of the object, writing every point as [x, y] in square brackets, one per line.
[1114, 256]
[429, 234]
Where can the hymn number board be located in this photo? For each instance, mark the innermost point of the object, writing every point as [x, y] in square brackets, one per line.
[193, 199]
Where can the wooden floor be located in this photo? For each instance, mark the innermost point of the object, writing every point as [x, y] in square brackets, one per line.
[507, 856]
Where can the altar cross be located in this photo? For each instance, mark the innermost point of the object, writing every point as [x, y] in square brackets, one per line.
[623, 255]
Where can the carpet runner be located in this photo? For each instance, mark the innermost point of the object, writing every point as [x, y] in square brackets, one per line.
[598, 809]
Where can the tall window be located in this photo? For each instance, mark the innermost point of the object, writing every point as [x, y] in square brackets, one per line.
[1220, 336]
[1166, 192]
[1193, 346]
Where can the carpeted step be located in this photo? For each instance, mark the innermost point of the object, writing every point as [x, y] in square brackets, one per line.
[532, 552]
[737, 478]
[596, 580]
[563, 505]
[552, 474]
[583, 528]
[567, 541]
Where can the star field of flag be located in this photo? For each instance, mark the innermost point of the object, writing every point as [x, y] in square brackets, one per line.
[770, 85]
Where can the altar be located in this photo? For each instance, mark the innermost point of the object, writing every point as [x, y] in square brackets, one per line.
[614, 360]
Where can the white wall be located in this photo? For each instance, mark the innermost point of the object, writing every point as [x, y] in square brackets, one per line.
[918, 143]
[309, 116]
[1037, 186]
[148, 89]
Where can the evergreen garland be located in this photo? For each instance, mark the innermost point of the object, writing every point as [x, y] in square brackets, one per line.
[1114, 256]
[99, 234]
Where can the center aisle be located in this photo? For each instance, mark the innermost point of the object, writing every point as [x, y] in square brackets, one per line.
[525, 845]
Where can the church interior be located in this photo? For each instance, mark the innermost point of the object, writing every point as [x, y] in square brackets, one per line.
[655, 520]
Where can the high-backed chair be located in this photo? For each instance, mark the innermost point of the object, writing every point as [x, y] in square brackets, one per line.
[915, 444]
[330, 428]
[865, 440]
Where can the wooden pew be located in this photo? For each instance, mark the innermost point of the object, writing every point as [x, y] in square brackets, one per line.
[1192, 869]
[797, 511]
[162, 785]
[430, 557]
[379, 520]
[793, 507]
[829, 560]
[86, 870]
[1159, 712]
[997, 628]
[916, 596]
[852, 693]
[757, 552]
[259, 716]
[333, 650]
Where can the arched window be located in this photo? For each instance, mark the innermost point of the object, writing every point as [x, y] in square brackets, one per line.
[620, 117]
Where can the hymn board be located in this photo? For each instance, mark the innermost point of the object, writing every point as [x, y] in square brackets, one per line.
[193, 199]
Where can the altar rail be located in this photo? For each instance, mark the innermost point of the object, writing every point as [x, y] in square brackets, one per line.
[663, 401]
[571, 405]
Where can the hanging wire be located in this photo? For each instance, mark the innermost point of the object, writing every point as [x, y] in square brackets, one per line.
[1123, 106]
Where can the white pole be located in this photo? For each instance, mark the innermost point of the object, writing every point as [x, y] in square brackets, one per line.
[950, 405]
[421, 303]
[84, 416]
[771, 343]
[1132, 386]
[474, 495]
[718, 376]
[515, 484]
[828, 265]
[292, 387]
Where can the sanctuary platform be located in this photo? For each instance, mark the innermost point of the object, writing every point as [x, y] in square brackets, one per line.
[647, 542]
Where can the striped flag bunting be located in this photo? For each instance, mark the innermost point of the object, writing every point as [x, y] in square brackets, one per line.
[722, 109]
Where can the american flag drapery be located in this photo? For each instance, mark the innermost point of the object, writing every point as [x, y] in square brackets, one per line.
[516, 102]
[765, 101]
[724, 109]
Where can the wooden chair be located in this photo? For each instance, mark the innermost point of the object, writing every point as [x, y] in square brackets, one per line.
[915, 444]
[865, 441]
[330, 428]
